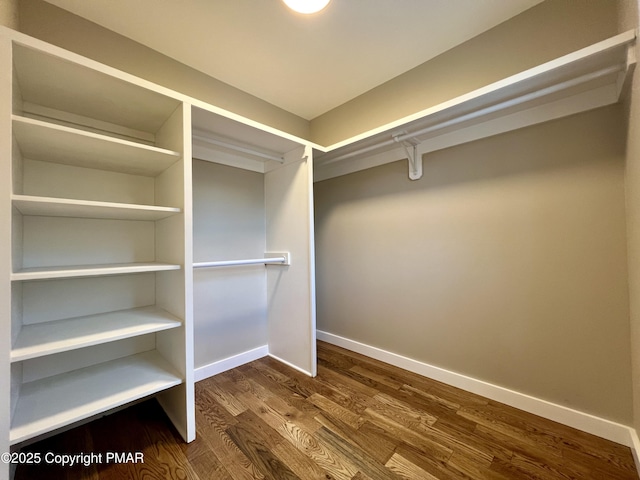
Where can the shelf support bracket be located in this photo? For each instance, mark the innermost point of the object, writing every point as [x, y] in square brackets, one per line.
[414, 156]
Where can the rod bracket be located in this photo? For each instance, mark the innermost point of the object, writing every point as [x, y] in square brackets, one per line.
[285, 255]
[414, 156]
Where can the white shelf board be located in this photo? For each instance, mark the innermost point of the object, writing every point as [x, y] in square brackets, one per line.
[63, 207]
[44, 273]
[57, 401]
[42, 339]
[56, 79]
[49, 142]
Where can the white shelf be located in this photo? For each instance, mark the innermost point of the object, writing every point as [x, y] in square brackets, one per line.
[89, 270]
[62, 207]
[47, 338]
[57, 144]
[56, 79]
[589, 78]
[54, 402]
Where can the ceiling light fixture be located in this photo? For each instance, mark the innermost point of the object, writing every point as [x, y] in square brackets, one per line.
[306, 6]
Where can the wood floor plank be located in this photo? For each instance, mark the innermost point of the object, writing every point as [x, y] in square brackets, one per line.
[256, 439]
[359, 419]
[264, 401]
[402, 412]
[407, 470]
[336, 411]
[395, 429]
[210, 408]
[273, 381]
[299, 463]
[198, 454]
[317, 451]
[380, 447]
[365, 464]
[223, 395]
[227, 452]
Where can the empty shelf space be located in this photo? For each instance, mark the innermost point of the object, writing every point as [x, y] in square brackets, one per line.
[41, 273]
[57, 144]
[62, 335]
[54, 402]
[62, 207]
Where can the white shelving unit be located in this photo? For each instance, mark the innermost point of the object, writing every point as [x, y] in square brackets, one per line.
[99, 172]
[97, 288]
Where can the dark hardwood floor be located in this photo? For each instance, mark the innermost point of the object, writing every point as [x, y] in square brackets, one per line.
[359, 419]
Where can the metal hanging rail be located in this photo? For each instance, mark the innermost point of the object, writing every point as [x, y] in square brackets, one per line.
[272, 259]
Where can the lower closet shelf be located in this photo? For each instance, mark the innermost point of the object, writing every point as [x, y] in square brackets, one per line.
[47, 338]
[54, 402]
[44, 273]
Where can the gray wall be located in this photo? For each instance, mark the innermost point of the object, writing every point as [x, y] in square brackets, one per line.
[506, 262]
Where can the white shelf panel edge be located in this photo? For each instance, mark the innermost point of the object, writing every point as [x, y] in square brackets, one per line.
[63, 207]
[49, 142]
[42, 339]
[54, 402]
[42, 273]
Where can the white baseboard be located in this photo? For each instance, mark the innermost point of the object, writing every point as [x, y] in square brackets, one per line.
[228, 363]
[601, 427]
[290, 365]
[635, 448]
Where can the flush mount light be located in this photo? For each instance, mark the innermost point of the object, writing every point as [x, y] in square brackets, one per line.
[306, 6]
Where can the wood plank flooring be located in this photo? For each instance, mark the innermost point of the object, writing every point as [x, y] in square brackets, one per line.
[358, 419]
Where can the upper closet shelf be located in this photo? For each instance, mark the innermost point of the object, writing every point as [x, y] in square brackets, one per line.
[78, 86]
[589, 78]
[48, 142]
[219, 139]
[63, 207]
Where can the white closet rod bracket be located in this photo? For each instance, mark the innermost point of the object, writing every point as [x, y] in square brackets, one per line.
[414, 156]
[280, 258]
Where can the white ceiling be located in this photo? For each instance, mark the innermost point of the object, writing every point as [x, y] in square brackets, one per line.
[306, 65]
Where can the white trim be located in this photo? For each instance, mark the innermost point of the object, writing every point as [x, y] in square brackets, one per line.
[206, 371]
[635, 447]
[288, 364]
[601, 427]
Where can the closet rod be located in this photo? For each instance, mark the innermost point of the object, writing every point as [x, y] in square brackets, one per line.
[251, 261]
[237, 148]
[497, 107]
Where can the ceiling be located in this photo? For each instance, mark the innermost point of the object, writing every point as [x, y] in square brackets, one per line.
[305, 64]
